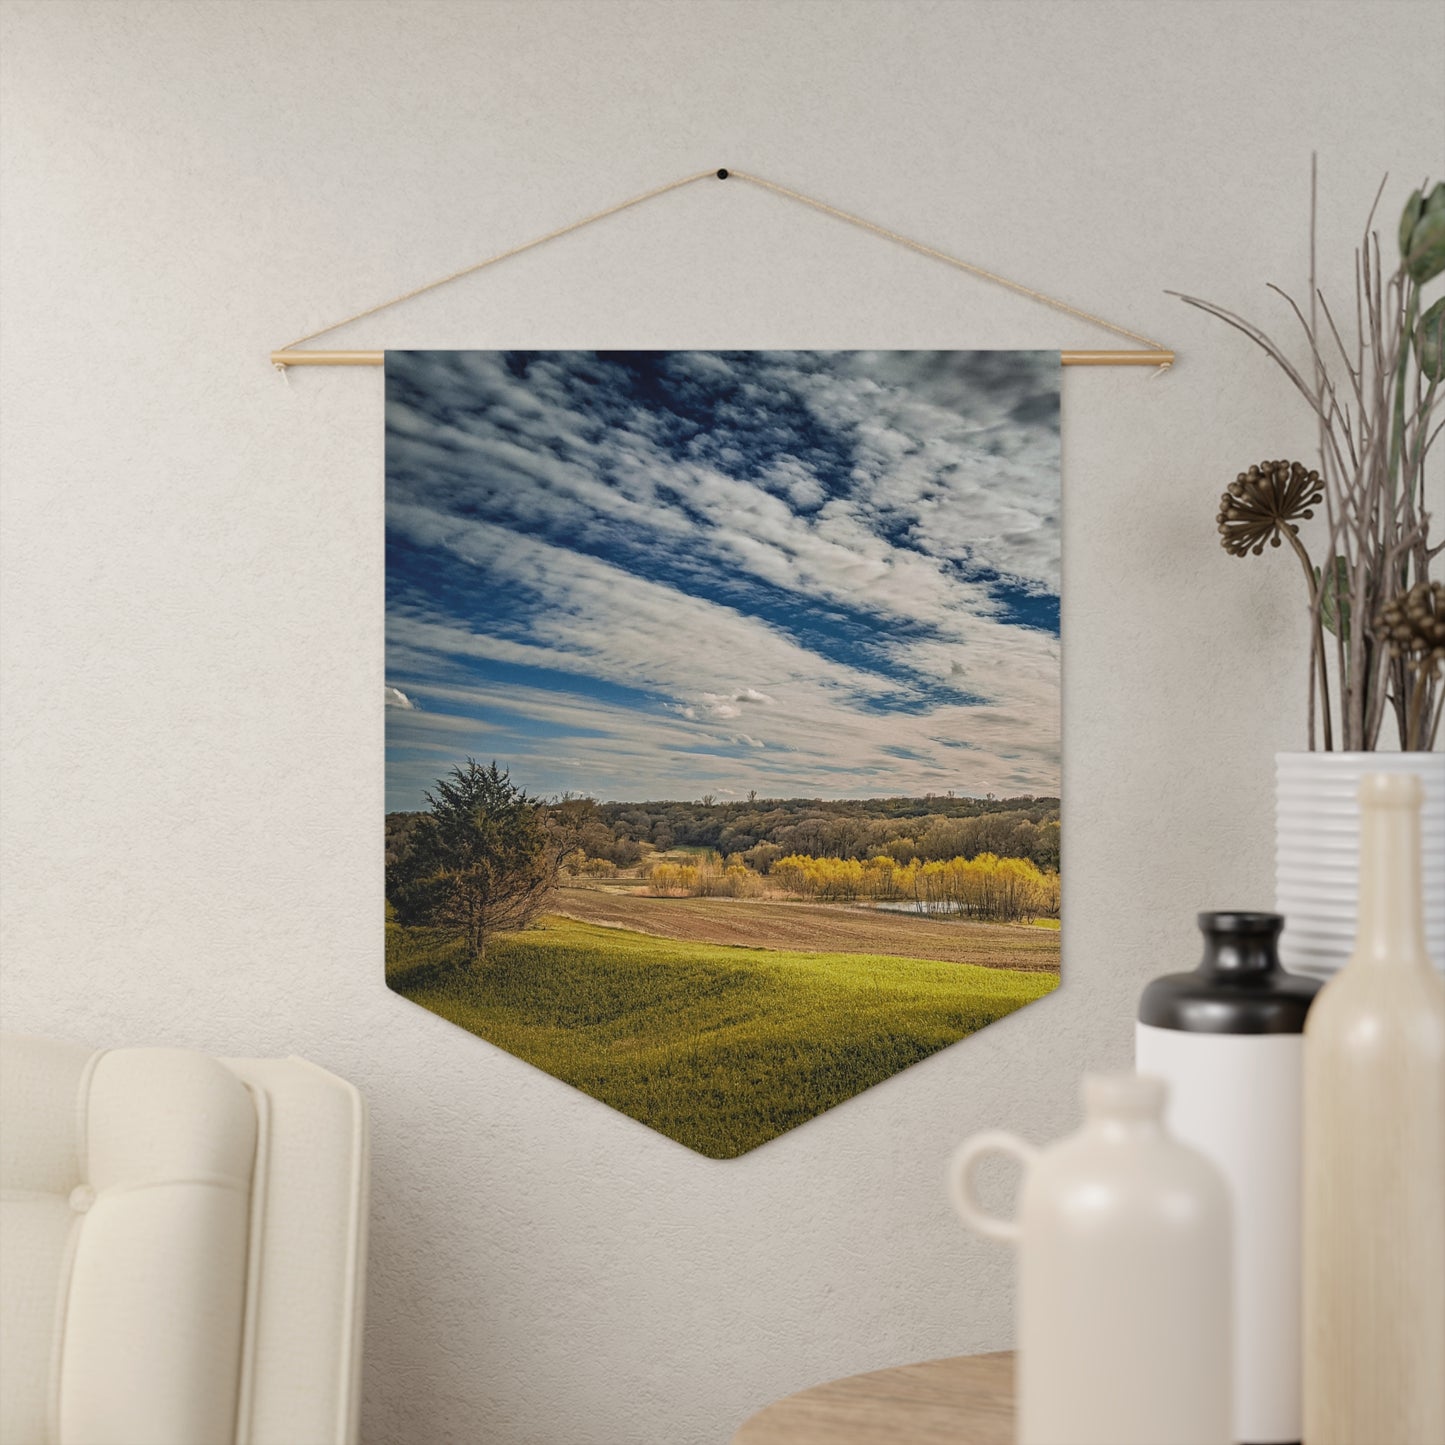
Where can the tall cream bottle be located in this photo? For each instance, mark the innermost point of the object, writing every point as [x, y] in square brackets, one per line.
[1123, 1238]
[1374, 1157]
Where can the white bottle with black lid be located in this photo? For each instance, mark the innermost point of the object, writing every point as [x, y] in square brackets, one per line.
[1228, 1038]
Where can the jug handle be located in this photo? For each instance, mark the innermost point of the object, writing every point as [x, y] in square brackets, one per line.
[960, 1181]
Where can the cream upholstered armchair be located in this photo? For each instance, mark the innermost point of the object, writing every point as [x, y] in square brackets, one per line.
[182, 1248]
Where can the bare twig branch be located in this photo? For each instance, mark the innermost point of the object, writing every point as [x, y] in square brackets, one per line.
[1376, 417]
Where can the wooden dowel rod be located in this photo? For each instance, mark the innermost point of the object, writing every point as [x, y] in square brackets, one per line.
[376, 358]
[327, 358]
[1117, 358]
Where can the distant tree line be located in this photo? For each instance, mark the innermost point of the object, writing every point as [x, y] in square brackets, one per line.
[762, 831]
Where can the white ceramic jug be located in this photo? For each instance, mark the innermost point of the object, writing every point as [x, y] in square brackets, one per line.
[1123, 1238]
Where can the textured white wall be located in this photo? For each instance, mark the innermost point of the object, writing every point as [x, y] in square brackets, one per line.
[193, 576]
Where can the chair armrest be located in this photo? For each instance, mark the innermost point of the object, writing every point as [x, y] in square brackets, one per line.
[301, 1353]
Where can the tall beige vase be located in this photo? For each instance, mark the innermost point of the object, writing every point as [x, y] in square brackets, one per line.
[1374, 1157]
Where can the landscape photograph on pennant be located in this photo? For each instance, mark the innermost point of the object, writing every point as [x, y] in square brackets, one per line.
[722, 715]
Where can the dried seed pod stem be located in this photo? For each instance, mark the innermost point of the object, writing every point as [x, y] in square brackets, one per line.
[1375, 397]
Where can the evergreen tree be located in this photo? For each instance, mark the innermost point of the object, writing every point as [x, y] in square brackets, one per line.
[480, 862]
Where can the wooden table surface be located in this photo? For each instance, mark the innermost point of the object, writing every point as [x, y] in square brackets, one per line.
[967, 1400]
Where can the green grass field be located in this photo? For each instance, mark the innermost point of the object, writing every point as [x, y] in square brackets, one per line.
[721, 1048]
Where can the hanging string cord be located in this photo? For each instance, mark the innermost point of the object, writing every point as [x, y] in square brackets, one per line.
[956, 261]
[918, 246]
[501, 256]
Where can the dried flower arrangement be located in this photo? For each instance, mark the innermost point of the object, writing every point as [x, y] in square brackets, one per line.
[1375, 403]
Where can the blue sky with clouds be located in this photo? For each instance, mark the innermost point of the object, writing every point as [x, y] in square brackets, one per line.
[644, 575]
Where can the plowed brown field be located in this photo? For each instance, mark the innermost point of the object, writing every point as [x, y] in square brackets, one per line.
[824, 927]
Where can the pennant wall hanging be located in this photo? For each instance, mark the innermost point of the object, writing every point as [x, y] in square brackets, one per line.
[722, 706]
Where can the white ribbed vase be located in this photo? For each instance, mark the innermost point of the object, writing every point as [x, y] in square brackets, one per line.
[1317, 852]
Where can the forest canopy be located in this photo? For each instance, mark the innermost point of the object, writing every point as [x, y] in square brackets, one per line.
[765, 830]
